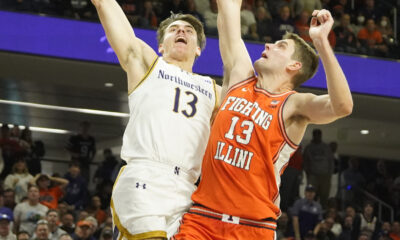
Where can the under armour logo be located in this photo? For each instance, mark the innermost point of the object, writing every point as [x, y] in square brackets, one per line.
[143, 186]
[177, 170]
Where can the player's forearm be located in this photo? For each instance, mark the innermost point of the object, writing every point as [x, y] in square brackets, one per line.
[338, 88]
[118, 30]
[229, 34]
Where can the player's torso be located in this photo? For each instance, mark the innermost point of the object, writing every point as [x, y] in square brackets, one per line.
[246, 153]
[170, 116]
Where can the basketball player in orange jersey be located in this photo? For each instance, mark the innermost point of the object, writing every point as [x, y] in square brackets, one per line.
[258, 127]
[170, 111]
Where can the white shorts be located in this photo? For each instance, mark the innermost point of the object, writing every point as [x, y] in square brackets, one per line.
[149, 199]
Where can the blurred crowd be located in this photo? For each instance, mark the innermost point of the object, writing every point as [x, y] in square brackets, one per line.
[35, 205]
[361, 26]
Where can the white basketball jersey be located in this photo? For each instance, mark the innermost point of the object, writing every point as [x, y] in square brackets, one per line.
[170, 113]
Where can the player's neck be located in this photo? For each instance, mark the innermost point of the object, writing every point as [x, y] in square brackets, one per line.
[274, 83]
[186, 65]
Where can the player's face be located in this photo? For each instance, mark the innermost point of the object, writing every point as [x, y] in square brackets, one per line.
[276, 57]
[180, 41]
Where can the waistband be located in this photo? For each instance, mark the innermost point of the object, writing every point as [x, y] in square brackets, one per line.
[166, 168]
[199, 209]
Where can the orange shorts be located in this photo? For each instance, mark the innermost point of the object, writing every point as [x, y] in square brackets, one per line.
[202, 224]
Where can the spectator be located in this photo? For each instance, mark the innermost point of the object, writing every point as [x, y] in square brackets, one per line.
[353, 181]
[283, 228]
[311, 5]
[385, 230]
[15, 133]
[395, 233]
[9, 148]
[386, 29]
[27, 213]
[94, 226]
[282, 24]
[19, 179]
[248, 22]
[306, 212]
[175, 6]
[63, 208]
[5, 210]
[323, 230]
[369, 11]
[131, 9]
[148, 18]
[68, 223]
[82, 215]
[264, 25]
[9, 198]
[336, 228]
[368, 222]
[358, 25]
[5, 232]
[104, 171]
[76, 192]
[33, 151]
[105, 194]
[346, 40]
[55, 231]
[106, 234]
[95, 210]
[42, 230]
[372, 39]
[303, 26]
[49, 196]
[192, 9]
[202, 6]
[347, 230]
[83, 231]
[65, 236]
[318, 165]
[23, 235]
[83, 149]
[340, 8]
[262, 3]
[210, 17]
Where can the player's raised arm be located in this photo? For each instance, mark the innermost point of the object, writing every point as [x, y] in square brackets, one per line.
[121, 36]
[237, 62]
[338, 102]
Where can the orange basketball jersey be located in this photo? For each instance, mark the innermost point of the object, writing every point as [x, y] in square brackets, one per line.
[247, 152]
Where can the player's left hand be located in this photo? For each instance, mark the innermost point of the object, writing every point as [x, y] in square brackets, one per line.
[321, 24]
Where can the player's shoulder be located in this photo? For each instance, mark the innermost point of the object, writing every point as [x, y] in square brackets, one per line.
[298, 98]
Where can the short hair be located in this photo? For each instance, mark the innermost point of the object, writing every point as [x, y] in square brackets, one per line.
[41, 222]
[305, 54]
[197, 25]
[23, 232]
[33, 185]
[74, 164]
[52, 210]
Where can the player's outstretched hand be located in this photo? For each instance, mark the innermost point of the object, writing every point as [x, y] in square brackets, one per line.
[321, 24]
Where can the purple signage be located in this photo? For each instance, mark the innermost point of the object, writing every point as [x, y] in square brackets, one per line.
[80, 40]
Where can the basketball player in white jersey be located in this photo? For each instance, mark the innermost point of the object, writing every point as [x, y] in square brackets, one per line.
[168, 129]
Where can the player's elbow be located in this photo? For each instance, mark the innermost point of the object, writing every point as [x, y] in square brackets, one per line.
[345, 109]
